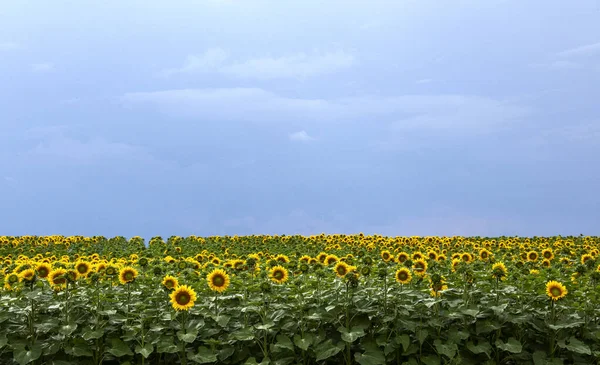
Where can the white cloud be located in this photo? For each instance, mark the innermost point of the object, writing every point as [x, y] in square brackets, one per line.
[42, 67]
[443, 112]
[301, 136]
[424, 81]
[584, 50]
[299, 65]
[209, 61]
[8, 46]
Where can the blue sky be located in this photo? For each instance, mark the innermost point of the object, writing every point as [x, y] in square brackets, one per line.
[240, 117]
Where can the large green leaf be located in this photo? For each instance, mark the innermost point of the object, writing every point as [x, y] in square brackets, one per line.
[482, 347]
[303, 342]
[577, 346]
[27, 354]
[327, 349]
[118, 348]
[448, 350]
[204, 355]
[373, 355]
[512, 345]
[351, 335]
[145, 350]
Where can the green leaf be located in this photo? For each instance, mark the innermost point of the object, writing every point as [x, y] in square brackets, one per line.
[3, 340]
[481, 348]
[430, 360]
[352, 335]
[422, 335]
[67, 329]
[188, 337]
[226, 352]
[144, 351]
[303, 342]
[284, 342]
[512, 346]
[119, 348]
[404, 340]
[539, 358]
[79, 349]
[166, 345]
[245, 334]
[448, 350]
[204, 356]
[26, 354]
[373, 355]
[92, 335]
[579, 347]
[327, 349]
[223, 320]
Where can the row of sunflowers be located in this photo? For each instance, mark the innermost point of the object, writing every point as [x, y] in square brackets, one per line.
[324, 299]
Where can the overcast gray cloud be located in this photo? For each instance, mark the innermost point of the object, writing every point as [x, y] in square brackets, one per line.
[236, 117]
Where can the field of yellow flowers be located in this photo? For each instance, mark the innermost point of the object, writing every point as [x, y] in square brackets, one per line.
[326, 299]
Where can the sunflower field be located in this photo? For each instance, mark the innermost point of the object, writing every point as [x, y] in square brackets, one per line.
[325, 299]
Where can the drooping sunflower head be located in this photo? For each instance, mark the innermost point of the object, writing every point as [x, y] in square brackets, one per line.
[586, 257]
[82, 268]
[555, 290]
[546, 263]
[127, 275]
[27, 275]
[499, 270]
[278, 274]
[419, 266]
[183, 298]
[57, 278]
[282, 258]
[170, 282]
[403, 275]
[432, 255]
[218, 280]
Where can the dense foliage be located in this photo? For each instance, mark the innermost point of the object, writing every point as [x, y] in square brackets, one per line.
[327, 299]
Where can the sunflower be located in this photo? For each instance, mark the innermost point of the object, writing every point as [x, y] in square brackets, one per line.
[548, 254]
[57, 278]
[322, 256]
[82, 268]
[43, 270]
[401, 257]
[455, 264]
[466, 257]
[546, 263]
[484, 254]
[170, 282]
[556, 290]
[386, 255]
[304, 259]
[278, 274]
[331, 259]
[282, 258]
[403, 276]
[341, 269]
[127, 275]
[11, 280]
[183, 298]
[499, 270]
[585, 258]
[420, 266]
[27, 275]
[532, 256]
[218, 280]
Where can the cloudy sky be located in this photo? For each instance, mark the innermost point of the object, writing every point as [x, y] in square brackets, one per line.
[252, 116]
